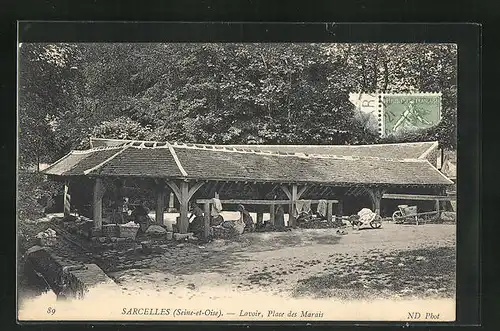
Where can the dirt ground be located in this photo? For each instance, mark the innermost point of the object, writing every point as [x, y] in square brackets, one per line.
[406, 261]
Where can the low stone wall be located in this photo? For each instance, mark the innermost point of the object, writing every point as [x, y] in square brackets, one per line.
[67, 278]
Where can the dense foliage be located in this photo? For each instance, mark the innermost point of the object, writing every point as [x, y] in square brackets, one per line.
[219, 93]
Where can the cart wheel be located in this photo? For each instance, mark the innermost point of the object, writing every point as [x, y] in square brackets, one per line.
[397, 217]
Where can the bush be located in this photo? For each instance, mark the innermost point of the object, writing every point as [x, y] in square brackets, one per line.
[34, 194]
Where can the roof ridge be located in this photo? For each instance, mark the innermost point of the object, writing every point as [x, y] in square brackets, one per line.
[347, 146]
[95, 149]
[219, 148]
[176, 160]
[260, 145]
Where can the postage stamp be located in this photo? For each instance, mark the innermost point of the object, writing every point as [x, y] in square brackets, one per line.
[409, 112]
[209, 181]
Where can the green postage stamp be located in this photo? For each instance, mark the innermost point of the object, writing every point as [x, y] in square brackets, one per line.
[409, 112]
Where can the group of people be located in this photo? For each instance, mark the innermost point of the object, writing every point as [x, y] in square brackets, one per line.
[244, 224]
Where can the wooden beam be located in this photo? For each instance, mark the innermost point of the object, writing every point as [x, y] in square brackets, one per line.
[66, 199]
[206, 218]
[418, 197]
[329, 211]
[340, 208]
[184, 203]
[260, 217]
[245, 201]
[271, 213]
[175, 188]
[291, 215]
[257, 202]
[287, 191]
[160, 204]
[301, 191]
[376, 196]
[324, 190]
[196, 186]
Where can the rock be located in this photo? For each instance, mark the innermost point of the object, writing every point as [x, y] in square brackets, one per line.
[448, 216]
[180, 245]
[191, 286]
[182, 236]
[401, 264]
[420, 258]
[156, 229]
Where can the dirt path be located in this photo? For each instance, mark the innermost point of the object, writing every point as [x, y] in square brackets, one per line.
[397, 260]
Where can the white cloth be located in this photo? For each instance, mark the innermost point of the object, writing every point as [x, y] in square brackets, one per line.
[303, 206]
[366, 215]
[239, 225]
[216, 207]
[322, 207]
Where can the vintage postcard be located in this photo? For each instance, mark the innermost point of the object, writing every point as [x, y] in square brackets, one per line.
[237, 181]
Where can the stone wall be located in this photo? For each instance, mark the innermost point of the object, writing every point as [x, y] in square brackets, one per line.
[67, 278]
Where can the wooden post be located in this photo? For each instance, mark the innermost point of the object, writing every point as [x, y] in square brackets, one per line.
[260, 217]
[271, 213]
[160, 205]
[376, 196]
[340, 208]
[97, 203]
[184, 194]
[67, 200]
[206, 218]
[438, 207]
[184, 201]
[329, 211]
[291, 216]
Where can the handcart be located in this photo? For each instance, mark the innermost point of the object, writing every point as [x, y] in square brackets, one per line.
[405, 214]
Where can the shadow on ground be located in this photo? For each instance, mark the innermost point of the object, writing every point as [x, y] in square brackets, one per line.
[428, 272]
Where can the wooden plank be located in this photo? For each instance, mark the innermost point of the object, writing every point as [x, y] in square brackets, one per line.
[418, 197]
[258, 202]
[246, 201]
[206, 218]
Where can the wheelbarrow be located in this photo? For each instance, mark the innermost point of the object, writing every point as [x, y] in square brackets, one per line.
[366, 217]
[405, 214]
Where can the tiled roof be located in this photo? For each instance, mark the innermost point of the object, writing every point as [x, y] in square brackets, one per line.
[214, 163]
[152, 162]
[76, 162]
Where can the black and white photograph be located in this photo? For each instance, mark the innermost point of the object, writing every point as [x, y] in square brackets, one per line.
[235, 181]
